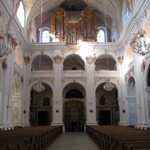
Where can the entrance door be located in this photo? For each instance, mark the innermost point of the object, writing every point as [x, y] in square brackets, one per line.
[74, 116]
[42, 118]
[104, 117]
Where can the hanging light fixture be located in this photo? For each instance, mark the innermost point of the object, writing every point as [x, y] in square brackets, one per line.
[139, 43]
[108, 86]
[4, 50]
[39, 87]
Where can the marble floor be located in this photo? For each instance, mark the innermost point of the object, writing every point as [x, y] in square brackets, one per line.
[73, 141]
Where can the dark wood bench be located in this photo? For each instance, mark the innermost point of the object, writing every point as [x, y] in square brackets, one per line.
[119, 138]
[34, 137]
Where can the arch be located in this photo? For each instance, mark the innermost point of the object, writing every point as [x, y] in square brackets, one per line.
[21, 13]
[102, 81]
[101, 36]
[74, 86]
[105, 62]
[44, 35]
[131, 87]
[73, 61]
[74, 93]
[74, 111]
[41, 106]
[50, 84]
[107, 102]
[42, 62]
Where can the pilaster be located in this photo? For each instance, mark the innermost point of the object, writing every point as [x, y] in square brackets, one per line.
[57, 93]
[90, 92]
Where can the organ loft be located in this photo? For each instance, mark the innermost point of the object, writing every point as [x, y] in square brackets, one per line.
[72, 26]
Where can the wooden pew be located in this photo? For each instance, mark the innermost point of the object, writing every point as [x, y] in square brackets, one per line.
[119, 138]
[29, 138]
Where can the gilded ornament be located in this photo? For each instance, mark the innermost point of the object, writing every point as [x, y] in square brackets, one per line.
[90, 59]
[58, 59]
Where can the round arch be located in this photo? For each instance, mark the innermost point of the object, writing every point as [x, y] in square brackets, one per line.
[107, 62]
[74, 85]
[131, 86]
[114, 81]
[41, 104]
[43, 61]
[73, 62]
[107, 109]
[74, 103]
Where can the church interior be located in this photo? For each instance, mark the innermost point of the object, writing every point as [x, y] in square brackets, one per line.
[74, 63]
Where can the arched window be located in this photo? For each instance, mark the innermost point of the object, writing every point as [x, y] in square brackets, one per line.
[45, 36]
[101, 35]
[20, 13]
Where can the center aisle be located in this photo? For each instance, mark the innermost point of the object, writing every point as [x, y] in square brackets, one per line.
[73, 141]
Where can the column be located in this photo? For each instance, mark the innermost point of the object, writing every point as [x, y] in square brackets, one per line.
[57, 93]
[9, 117]
[90, 93]
[121, 94]
[25, 104]
[7, 90]
[140, 92]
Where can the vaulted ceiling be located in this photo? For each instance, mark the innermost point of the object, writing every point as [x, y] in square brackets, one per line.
[111, 8]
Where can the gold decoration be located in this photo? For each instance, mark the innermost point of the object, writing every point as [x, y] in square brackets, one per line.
[12, 41]
[120, 59]
[90, 59]
[75, 27]
[134, 40]
[26, 59]
[74, 48]
[58, 59]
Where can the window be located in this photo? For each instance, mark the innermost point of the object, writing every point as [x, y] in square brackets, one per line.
[20, 13]
[45, 36]
[101, 35]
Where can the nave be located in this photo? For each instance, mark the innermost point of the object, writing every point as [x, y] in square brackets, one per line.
[73, 141]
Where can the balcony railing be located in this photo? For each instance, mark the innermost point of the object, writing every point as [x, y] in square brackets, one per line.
[42, 73]
[74, 73]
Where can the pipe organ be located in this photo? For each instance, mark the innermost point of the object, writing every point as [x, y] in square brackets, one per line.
[73, 26]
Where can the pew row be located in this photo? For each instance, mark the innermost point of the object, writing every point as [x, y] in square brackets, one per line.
[109, 137]
[29, 138]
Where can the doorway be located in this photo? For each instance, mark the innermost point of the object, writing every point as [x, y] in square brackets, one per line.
[104, 117]
[74, 116]
[42, 118]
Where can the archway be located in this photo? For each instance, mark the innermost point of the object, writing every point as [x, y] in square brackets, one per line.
[41, 106]
[74, 108]
[107, 106]
[73, 62]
